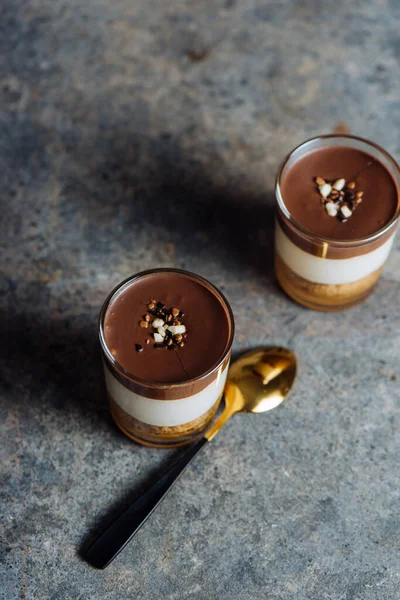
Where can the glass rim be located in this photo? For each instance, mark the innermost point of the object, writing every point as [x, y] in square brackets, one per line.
[155, 384]
[331, 241]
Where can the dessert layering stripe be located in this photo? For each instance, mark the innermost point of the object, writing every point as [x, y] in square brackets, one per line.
[327, 270]
[166, 413]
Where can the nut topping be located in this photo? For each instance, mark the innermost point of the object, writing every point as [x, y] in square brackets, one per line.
[331, 209]
[339, 184]
[339, 198]
[174, 329]
[158, 323]
[168, 329]
[346, 212]
[325, 190]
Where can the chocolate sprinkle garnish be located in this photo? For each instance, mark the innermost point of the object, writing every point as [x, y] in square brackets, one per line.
[139, 348]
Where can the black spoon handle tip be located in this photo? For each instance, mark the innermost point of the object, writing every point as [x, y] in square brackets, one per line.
[111, 541]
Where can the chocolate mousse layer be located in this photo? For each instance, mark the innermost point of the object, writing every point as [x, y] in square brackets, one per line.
[302, 198]
[191, 304]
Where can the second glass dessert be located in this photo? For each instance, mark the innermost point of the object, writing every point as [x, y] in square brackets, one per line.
[337, 213]
[166, 337]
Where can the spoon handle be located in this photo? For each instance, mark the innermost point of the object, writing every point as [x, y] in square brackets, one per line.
[110, 543]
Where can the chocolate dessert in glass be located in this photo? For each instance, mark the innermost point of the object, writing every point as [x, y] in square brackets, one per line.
[166, 337]
[337, 213]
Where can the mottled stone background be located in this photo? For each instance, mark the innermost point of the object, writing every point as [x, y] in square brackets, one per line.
[143, 133]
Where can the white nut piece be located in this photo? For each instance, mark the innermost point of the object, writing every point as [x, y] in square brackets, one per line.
[325, 190]
[331, 209]
[161, 331]
[346, 212]
[175, 329]
[339, 184]
[158, 338]
[157, 323]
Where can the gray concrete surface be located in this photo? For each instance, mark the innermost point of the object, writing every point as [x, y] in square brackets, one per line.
[147, 133]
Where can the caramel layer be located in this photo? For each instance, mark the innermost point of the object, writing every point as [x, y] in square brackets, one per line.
[324, 296]
[152, 434]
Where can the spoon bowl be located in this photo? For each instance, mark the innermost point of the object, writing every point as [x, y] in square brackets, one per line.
[264, 377]
[258, 381]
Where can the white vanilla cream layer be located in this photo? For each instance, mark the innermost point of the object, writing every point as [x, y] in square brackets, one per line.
[327, 270]
[165, 413]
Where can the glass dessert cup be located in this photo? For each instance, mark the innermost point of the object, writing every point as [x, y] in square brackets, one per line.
[160, 414]
[328, 274]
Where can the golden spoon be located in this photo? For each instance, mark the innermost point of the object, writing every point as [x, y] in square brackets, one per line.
[258, 381]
